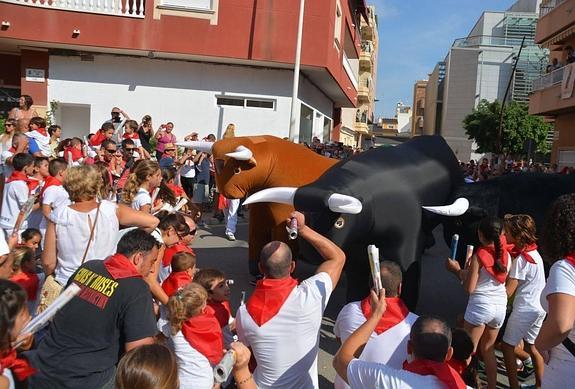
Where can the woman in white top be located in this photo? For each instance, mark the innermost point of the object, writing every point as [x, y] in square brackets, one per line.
[86, 229]
[557, 335]
[484, 279]
[144, 178]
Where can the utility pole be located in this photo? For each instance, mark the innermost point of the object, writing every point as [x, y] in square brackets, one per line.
[293, 132]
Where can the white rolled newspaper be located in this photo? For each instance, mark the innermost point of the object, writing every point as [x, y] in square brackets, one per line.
[468, 254]
[223, 369]
[373, 253]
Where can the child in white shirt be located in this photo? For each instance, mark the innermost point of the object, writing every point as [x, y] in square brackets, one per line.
[16, 192]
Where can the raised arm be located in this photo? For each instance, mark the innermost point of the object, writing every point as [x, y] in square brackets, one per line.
[49, 254]
[333, 257]
[130, 217]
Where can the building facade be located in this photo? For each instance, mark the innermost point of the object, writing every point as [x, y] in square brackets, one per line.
[552, 94]
[479, 67]
[198, 63]
[417, 115]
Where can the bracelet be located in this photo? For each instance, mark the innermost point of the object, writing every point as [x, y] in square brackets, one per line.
[244, 381]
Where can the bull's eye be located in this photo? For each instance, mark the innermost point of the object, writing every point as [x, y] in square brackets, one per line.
[237, 170]
[339, 223]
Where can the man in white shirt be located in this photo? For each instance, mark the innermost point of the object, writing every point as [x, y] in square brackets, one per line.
[429, 347]
[281, 320]
[388, 343]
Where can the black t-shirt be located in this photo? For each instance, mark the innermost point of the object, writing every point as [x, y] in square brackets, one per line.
[87, 336]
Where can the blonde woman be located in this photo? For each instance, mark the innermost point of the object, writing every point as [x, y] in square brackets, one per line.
[144, 178]
[232, 205]
[230, 131]
[86, 229]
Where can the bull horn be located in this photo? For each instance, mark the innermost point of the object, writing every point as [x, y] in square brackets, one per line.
[458, 208]
[340, 203]
[283, 195]
[197, 145]
[337, 202]
[241, 153]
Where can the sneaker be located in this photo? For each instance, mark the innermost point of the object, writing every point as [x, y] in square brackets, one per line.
[230, 236]
[526, 372]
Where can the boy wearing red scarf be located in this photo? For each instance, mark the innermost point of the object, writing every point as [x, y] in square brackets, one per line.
[388, 342]
[16, 192]
[429, 347]
[281, 320]
[183, 269]
[53, 193]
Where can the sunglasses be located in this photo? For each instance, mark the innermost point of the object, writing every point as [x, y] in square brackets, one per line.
[111, 151]
[182, 235]
[129, 150]
[169, 150]
[9, 125]
[115, 113]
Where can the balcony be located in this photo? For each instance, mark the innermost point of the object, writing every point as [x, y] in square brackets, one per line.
[125, 8]
[556, 22]
[367, 32]
[361, 128]
[366, 56]
[553, 93]
[363, 94]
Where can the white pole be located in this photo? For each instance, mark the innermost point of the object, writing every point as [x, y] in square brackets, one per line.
[293, 132]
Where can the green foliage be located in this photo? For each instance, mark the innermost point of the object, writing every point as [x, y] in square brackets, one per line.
[518, 126]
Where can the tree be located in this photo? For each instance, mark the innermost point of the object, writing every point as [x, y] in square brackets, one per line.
[518, 128]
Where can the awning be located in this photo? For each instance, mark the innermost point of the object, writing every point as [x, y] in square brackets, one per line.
[559, 37]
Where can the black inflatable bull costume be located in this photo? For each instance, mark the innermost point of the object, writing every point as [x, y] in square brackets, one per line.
[378, 197]
[524, 193]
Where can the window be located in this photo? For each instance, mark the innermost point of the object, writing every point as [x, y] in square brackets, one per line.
[338, 19]
[245, 102]
[202, 5]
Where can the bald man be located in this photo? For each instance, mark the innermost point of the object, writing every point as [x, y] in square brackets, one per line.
[281, 320]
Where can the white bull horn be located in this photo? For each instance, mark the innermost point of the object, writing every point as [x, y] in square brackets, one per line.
[458, 208]
[340, 203]
[197, 145]
[241, 153]
[283, 195]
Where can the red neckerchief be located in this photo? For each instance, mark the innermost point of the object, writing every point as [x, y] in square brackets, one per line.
[486, 256]
[97, 138]
[119, 266]
[457, 365]
[268, 298]
[175, 281]
[76, 154]
[570, 258]
[445, 373]
[33, 183]
[524, 252]
[169, 252]
[29, 282]
[178, 191]
[204, 334]
[395, 313]
[222, 311]
[18, 366]
[133, 135]
[21, 176]
[12, 149]
[42, 131]
[48, 182]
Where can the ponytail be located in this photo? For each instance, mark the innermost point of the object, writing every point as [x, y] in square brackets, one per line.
[186, 303]
[498, 264]
[491, 228]
[130, 188]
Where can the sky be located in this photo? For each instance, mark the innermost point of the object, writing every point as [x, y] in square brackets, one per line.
[413, 36]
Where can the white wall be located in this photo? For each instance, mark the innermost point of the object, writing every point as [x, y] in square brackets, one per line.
[181, 92]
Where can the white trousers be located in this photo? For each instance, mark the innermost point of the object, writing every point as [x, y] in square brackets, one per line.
[231, 213]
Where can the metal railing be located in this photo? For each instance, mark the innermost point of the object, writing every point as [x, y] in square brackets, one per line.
[486, 40]
[548, 6]
[125, 8]
[550, 79]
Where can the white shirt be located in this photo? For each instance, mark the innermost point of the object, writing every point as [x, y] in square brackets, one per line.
[286, 346]
[488, 290]
[372, 375]
[14, 197]
[55, 196]
[531, 277]
[561, 280]
[73, 232]
[7, 169]
[142, 198]
[43, 142]
[188, 170]
[389, 347]
[194, 369]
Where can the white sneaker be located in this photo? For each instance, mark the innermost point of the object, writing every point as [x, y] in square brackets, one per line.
[230, 236]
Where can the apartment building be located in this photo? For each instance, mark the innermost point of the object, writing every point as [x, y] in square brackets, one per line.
[417, 115]
[552, 94]
[356, 122]
[478, 67]
[198, 63]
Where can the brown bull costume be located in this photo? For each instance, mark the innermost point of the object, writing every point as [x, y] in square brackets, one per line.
[245, 165]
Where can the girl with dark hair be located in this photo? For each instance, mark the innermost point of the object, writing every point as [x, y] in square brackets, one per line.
[23, 113]
[556, 339]
[151, 366]
[13, 317]
[484, 279]
[146, 133]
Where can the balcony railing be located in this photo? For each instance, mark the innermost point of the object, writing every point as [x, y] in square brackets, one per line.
[486, 40]
[126, 8]
[548, 6]
[550, 79]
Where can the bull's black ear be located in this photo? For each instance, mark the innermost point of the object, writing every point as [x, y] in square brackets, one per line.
[477, 212]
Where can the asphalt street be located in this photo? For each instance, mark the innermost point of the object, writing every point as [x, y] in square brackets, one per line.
[440, 292]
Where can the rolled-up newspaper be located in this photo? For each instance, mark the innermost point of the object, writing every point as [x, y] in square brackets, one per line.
[223, 369]
[468, 254]
[43, 318]
[373, 253]
[292, 229]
